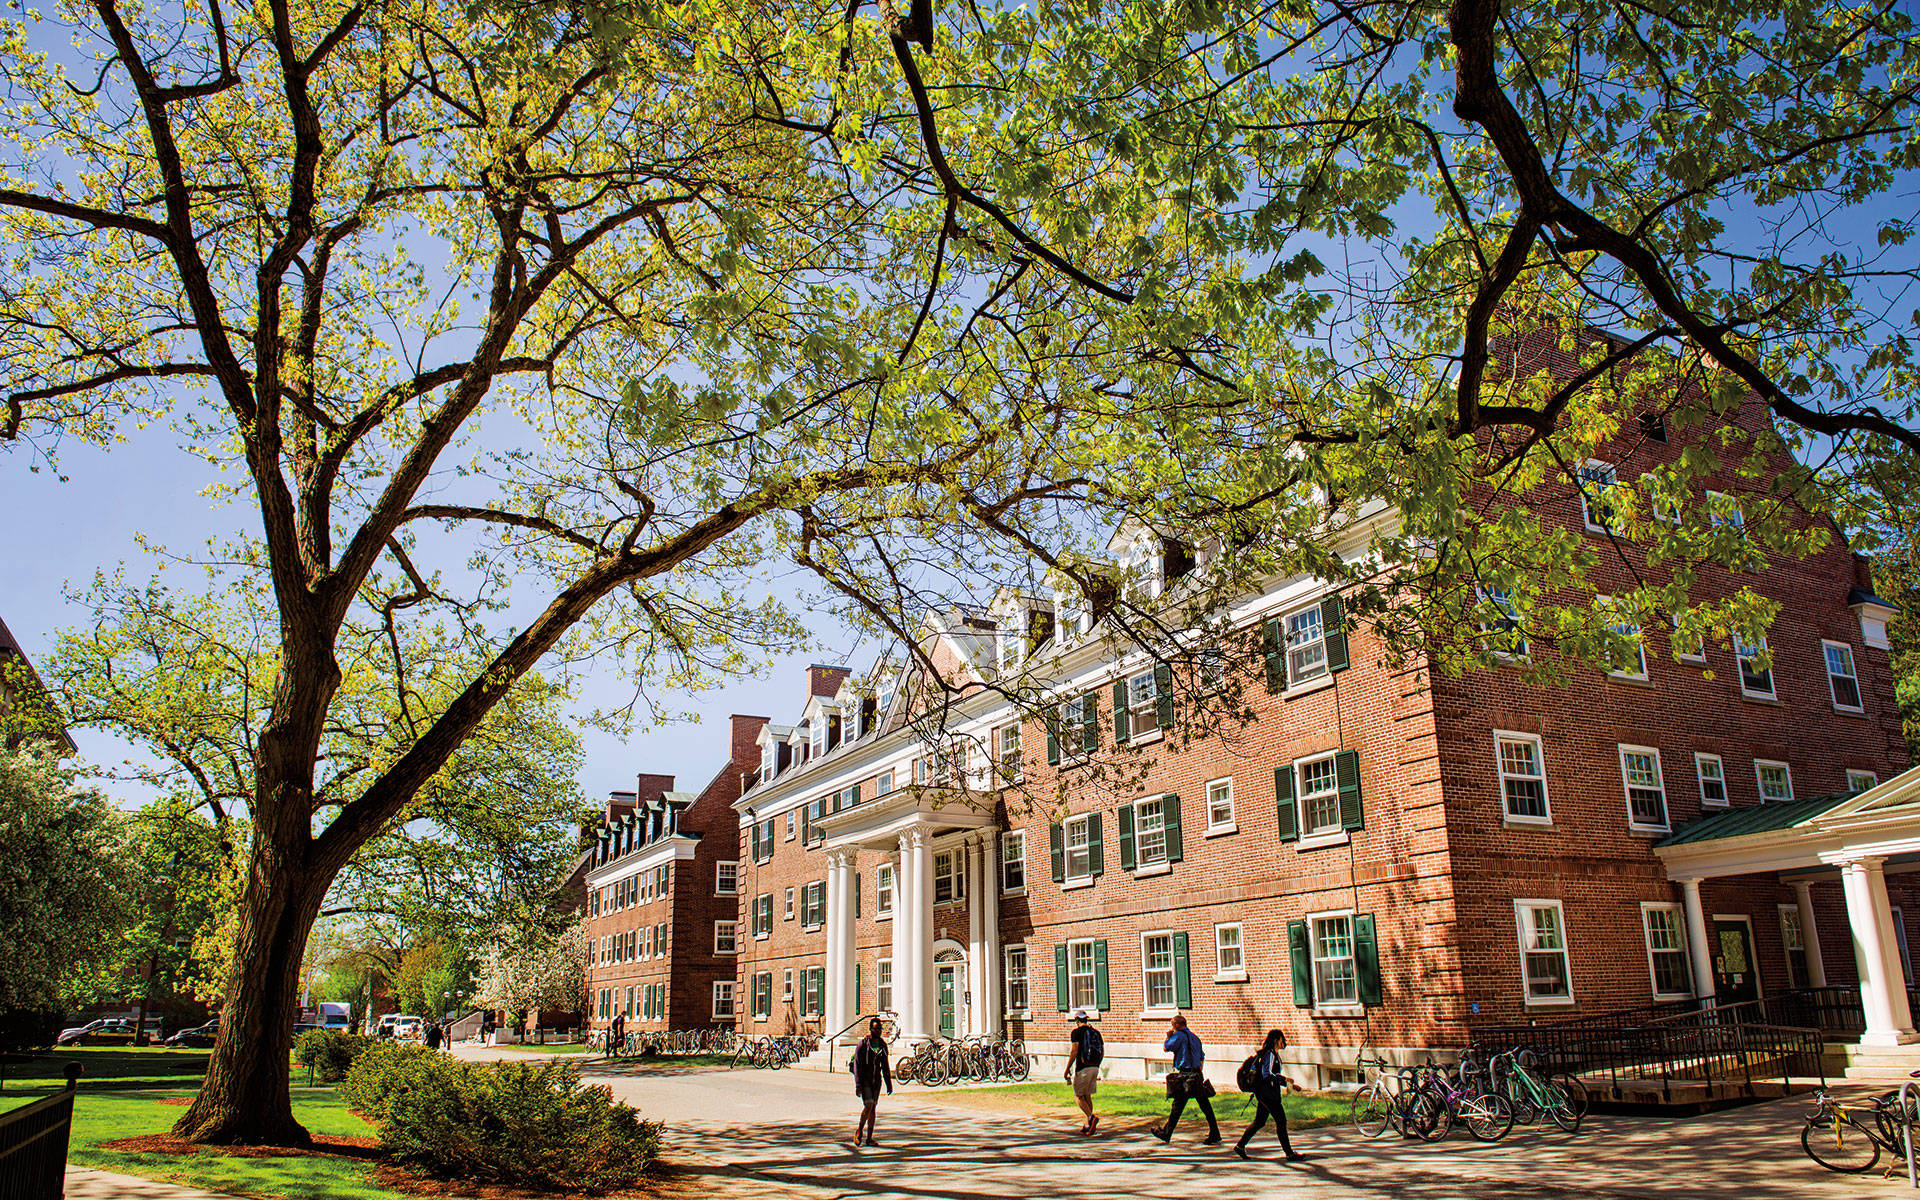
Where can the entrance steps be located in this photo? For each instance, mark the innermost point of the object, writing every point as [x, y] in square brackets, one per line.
[818, 1059]
[1890, 1065]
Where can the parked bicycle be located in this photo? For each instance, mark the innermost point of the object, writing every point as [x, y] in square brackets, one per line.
[1848, 1137]
[1559, 1097]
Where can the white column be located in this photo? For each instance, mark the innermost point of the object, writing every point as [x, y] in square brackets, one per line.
[849, 888]
[1699, 945]
[830, 1012]
[990, 918]
[1809, 934]
[976, 946]
[898, 951]
[905, 904]
[921, 968]
[1883, 990]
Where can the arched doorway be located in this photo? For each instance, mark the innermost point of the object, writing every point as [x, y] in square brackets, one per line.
[949, 988]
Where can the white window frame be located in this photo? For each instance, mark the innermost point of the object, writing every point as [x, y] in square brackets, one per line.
[1741, 653]
[1679, 917]
[786, 984]
[1588, 474]
[954, 876]
[1760, 780]
[1792, 937]
[1627, 786]
[814, 916]
[883, 784]
[1696, 655]
[726, 877]
[817, 734]
[1211, 668]
[759, 933]
[1092, 976]
[1158, 806]
[1854, 779]
[1007, 755]
[1502, 599]
[1700, 759]
[1724, 508]
[883, 892]
[1501, 776]
[723, 1007]
[1143, 705]
[1215, 825]
[1148, 972]
[726, 937]
[883, 985]
[1322, 1003]
[769, 759]
[1520, 910]
[790, 824]
[1626, 629]
[1318, 641]
[1084, 824]
[1009, 856]
[1222, 971]
[1852, 675]
[1018, 977]
[1070, 734]
[790, 910]
[1308, 831]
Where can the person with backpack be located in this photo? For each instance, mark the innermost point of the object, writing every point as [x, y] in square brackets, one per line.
[1260, 1075]
[1187, 1081]
[870, 1068]
[1083, 1067]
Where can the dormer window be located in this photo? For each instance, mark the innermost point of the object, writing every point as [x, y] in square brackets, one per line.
[769, 761]
[817, 731]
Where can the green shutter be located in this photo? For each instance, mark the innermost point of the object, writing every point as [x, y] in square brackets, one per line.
[756, 841]
[1170, 805]
[1122, 722]
[1100, 996]
[1366, 958]
[856, 991]
[1302, 964]
[856, 895]
[1346, 772]
[1096, 859]
[806, 823]
[1182, 973]
[1283, 803]
[1163, 693]
[1060, 973]
[1272, 650]
[1053, 735]
[1090, 723]
[1056, 842]
[1333, 619]
[1126, 837]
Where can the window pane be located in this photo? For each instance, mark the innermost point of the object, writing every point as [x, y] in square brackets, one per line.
[1523, 782]
[1306, 646]
[1319, 797]
[1220, 803]
[1149, 831]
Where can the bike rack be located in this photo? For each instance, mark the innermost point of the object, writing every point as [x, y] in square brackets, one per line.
[1906, 1122]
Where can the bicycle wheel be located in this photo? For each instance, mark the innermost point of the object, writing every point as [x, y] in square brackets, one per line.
[1569, 1102]
[1426, 1116]
[1488, 1116]
[1019, 1066]
[907, 1069]
[1520, 1098]
[935, 1073]
[1372, 1111]
[1842, 1145]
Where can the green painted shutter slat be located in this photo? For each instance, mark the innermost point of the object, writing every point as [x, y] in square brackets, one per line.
[1346, 772]
[1060, 973]
[856, 895]
[857, 1011]
[1170, 805]
[1283, 803]
[1122, 721]
[1163, 693]
[1333, 619]
[1053, 736]
[1126, 837]
[1090, 725]
[1302, 964]
[1100, 996]
[1272, 651]
[1056, 842]
[806, 823]
[1366, 958]
[1182, 973]
[1096, 857]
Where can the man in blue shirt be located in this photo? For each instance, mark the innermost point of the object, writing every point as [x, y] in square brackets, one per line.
[1187, 1081]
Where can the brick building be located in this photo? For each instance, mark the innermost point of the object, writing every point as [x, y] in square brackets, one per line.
[1364, 854]
[661, 899]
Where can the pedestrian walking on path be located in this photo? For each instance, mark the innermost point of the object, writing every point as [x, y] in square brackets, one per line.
[433, 1036]
[1269, 1085]
[1083, 1067]
[1187, 1082]
[870, 1069]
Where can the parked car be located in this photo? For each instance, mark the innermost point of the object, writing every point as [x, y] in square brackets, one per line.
[199, 1035]
[106, 1031]
[402, 1025]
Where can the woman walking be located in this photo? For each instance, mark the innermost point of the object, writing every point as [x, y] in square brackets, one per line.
[1269, 1085]
[870, 1070]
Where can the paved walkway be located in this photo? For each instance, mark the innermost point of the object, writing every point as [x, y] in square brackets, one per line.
[85, 1183]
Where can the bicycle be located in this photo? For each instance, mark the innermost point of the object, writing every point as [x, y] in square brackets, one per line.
[1560, 1097]
[1840, 1141]
[1374, 1104]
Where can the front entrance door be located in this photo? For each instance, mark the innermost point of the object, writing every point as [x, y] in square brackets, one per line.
[948, 993]
[1735, 978]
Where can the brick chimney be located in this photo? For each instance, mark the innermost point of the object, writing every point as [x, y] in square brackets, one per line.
[826, 681]
[743, 748]
[619, 804]
[648, 788]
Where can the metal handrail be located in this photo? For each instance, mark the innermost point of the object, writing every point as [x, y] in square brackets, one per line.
[886, 1015]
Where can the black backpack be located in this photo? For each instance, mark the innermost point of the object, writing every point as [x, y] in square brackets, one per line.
[1248, 1076]
[1093, 1048]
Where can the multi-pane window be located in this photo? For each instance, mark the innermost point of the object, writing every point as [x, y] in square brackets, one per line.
[1081, 992]
[1228, 954]
[1595, 507]
[1626, 659]
[769, 760]
[1009, 753]
[1335, 979]
[1724, 510]
[1666, 950]
[1795, 942]
[883, 985]
[1776, 782]
[1755, 680]
[1841, 680]
[1306, 645]
[1073, 717]
[1078, 837]
[1543, 951]
[789, 915]
[1212, 668]
[884, 784]
[723, 999]
[726, 878]
[818, 730]
[726, 937]
[1713, 780]
[1013, 861]
[1523, 777]
[1220, 804]
[1686, 647]
[1143, 704]
[1646, 791]
[814, 900]
[1150, 832]
[786, 984]
[946, 877]
[790, 819]
[883, 891]
[812, 984]
[1016, 963]
[1501, 632]
[1319, 792]
[1156, 968]
[1860, 781]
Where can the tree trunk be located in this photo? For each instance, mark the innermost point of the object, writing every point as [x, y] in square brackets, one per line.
[246, 1099]
[146, 992]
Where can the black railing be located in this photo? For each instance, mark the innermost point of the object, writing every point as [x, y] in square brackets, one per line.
[33, 1144]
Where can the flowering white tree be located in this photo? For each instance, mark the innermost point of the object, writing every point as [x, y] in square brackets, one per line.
[530, 971]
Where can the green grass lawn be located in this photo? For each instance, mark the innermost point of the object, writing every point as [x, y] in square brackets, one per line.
[123, 1093]
[550, 1048]
[1128, 1103]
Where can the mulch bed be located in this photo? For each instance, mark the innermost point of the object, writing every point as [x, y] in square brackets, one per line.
[325, 1145]
[662, 1183]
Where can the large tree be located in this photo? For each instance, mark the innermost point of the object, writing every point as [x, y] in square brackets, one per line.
[539, 328]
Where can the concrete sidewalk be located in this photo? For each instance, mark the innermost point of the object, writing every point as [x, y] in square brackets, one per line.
[85, 1183]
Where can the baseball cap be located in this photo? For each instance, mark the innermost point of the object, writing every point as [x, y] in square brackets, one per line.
[1081, 1014]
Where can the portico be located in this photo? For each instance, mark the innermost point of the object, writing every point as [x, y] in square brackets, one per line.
[1854, 841]
[907, 827]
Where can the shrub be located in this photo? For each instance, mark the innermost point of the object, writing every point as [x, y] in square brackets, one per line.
[330, 1054]
[525, 1124]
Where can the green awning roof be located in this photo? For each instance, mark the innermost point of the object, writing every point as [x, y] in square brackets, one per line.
[1754, 818]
